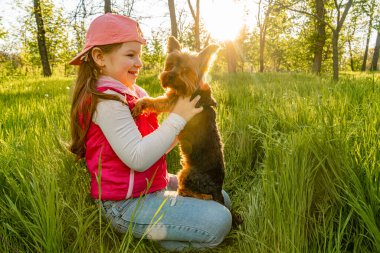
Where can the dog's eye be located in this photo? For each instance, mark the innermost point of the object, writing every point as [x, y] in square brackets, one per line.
[187, 70]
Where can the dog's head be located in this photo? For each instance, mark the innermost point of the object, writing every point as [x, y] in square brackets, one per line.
[184, 71]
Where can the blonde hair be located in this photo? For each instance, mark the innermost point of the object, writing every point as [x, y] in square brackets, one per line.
[85, 99]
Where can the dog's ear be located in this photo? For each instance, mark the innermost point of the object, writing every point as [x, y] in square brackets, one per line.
[205, 56]
[173, 44]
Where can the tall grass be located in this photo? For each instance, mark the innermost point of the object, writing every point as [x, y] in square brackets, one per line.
[308, 150]
[302, 166]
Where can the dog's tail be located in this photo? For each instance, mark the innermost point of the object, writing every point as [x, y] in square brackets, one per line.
[237, 219]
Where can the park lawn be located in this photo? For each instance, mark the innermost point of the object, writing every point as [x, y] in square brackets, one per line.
[302, 160]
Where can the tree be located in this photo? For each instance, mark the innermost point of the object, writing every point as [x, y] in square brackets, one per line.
[263, 14]
[173, 19]
[370, 13]
[340, 18]
[196, 16]
[59, 47]
[375, 57]
[126, 9]
[349, 36]
[320, 41]
[154, 56]
[41, 39]
[231, 56]
[107, 6]
[278, 39]
[3, 33]
[79, 16]
[242, 47]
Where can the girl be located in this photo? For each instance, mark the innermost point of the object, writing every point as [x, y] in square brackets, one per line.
[126, 156]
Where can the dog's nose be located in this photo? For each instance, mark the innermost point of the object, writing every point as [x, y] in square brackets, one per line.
[171, 76]
[165, 80]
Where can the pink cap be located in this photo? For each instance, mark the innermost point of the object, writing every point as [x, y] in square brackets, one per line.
[109, 29]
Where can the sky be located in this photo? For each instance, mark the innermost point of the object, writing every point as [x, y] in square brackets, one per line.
[155, 14]
[223, 18]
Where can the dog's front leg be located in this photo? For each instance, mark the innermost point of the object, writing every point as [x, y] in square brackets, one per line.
[157, 105]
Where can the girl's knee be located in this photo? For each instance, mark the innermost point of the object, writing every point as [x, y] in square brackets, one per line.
[220, 222]
[208, 230]
[227, 200]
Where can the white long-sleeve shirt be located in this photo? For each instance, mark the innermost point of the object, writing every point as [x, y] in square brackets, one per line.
[117, 124]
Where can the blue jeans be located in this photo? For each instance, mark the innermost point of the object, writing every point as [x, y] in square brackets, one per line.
[175, 222]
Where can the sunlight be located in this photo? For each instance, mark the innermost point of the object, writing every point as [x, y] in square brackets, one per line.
[223, 19]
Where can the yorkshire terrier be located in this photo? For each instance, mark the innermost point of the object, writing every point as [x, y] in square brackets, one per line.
[202, 161]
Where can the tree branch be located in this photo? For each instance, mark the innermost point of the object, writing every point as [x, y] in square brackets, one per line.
[345, 12]
[191, 9]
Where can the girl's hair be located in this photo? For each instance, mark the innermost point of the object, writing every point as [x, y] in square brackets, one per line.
[84, 100]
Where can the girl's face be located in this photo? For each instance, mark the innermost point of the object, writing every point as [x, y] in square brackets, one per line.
[124, 63]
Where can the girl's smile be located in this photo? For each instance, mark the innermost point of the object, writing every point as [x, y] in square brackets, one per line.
[124, 63]
[133, 73]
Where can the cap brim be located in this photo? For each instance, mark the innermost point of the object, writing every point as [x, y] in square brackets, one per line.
[77, 59]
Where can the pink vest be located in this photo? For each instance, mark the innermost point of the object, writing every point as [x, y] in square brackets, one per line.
[117, 180]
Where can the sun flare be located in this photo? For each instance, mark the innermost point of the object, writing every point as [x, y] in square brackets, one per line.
[223, 19]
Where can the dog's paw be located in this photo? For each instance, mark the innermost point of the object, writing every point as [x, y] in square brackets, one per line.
[237, 219]
[139, 108]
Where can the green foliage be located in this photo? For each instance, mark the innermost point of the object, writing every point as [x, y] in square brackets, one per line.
[187, 38]
[3, 33]
[290, 38]
[56, 35]
[289, 45]
[153, 55]
[302, 166]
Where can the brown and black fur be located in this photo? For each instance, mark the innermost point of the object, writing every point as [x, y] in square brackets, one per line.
[202, 160]
[202, 173]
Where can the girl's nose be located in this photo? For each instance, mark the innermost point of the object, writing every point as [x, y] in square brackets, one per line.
[138, 63]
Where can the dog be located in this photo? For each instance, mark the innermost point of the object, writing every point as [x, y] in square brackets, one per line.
[202, 159]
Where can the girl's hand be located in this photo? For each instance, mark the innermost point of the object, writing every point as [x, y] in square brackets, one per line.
[186, 108]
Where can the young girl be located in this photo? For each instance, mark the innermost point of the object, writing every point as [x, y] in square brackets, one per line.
[126, 156]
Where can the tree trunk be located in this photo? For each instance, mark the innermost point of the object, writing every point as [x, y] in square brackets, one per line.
[197, 32]
[351, 57]
[107, 6]
[375, 57]
[364, 64]
[41, 39]
[321, 36]
[231, 57]
[263, 30]
[370, 14]
[79, 15]
[173, 19]
[335, 38]
[262, 48]
[195, 15]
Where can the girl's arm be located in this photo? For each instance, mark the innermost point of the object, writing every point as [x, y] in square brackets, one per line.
[175, 142]
[137, 152]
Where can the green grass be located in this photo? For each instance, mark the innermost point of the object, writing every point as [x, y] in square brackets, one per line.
[302, 166]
